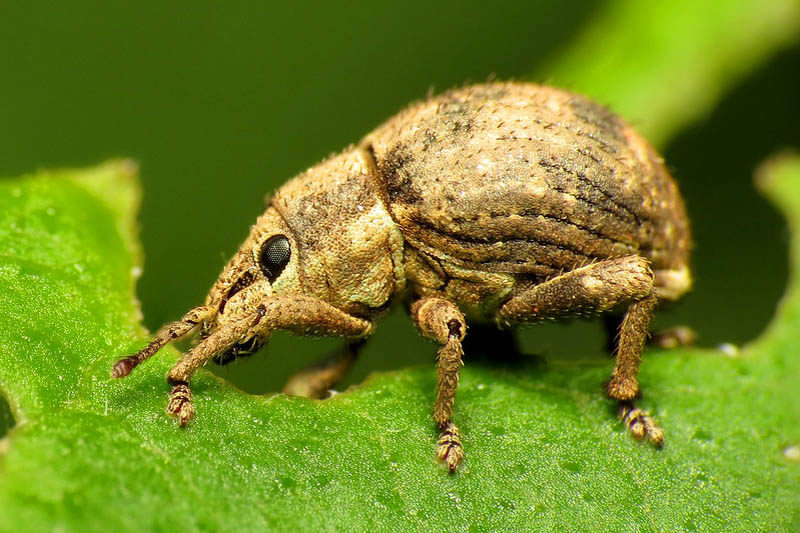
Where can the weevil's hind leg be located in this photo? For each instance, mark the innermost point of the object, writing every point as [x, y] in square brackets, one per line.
[180, 399]
[317, 379]
[442, 321]
[170, 332]
[623, 385]
[640, 423]
[594, 288]
[668, 339]
[674, 337]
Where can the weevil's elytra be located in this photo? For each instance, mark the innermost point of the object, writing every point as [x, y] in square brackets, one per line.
[500, 203]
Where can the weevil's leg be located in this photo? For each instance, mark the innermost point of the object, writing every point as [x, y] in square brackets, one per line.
[180, 399]
[669, 338]
[591, 289]
[165, 335]
[596, 288]
[298, 314]
[640, 423]
[442, 321]
[305, 315]
[317, 379]
[673, 337]
[623, 384]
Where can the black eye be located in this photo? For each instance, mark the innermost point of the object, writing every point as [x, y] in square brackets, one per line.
[275, 254]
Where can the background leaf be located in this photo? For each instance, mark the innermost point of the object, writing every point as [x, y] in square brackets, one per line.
[664, 65]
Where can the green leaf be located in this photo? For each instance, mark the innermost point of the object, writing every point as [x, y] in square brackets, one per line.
[665, 64]
[544, 450]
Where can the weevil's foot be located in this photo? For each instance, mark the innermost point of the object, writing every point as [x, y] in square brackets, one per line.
[180, 404]
[640, 424]
[622, 388]
[448, 448]
[673, 337]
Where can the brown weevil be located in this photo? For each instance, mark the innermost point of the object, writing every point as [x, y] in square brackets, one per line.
[498, 203]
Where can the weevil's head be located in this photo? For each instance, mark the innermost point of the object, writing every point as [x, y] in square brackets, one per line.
[325, 234]
[265, 264]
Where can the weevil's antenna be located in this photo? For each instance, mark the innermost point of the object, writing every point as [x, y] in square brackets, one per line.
[167, 334]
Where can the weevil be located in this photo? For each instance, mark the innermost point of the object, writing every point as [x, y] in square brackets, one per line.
[498, 203]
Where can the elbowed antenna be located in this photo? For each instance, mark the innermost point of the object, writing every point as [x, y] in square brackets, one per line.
[169, 333]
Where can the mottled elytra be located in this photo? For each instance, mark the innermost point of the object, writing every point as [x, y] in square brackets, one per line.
[499, 203]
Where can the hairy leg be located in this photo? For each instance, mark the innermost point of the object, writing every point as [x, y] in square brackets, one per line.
[596, 288]
[298, 314]
[317, 379]
[442, 321]
[180, 398]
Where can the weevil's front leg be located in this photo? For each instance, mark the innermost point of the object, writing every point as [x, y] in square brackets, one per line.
[170, 332]
[298, 314]
[442, 321]
[596, 288]
[180, 398]
[317, 379]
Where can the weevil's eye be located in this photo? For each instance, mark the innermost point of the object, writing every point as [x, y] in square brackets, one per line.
[275, 254]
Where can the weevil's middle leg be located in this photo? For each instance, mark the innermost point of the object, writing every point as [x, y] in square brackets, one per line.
[442, 321]
[317, 379]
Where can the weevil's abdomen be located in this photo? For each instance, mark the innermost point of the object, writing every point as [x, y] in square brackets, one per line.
[522, 179]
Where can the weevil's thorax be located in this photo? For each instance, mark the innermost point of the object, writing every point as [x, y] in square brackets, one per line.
[349, 250]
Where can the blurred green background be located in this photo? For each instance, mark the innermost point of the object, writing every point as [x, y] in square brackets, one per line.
[221, 103]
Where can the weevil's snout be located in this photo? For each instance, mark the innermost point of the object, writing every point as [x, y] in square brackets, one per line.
[234, 301]
[231, 291]
[238, 303]
[263, 266]
[257, 269]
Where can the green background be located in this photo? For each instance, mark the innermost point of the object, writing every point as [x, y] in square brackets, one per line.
[222, 102]
[544, 452]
